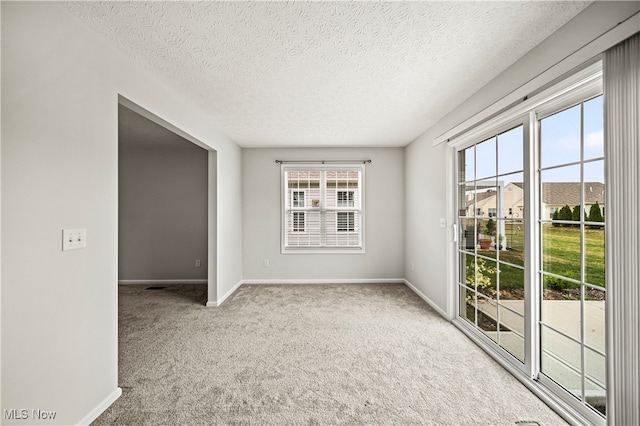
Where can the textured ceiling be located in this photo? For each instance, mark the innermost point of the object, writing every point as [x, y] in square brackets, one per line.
[326, 73]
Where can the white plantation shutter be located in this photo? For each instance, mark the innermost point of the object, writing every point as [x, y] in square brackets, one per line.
[322, 207]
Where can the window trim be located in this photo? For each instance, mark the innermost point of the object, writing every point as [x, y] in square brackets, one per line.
[359, 206]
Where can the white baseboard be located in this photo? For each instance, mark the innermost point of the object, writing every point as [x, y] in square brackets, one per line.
[213, 303]
[430, 302]
[327, 281]
[149, 282]
[230, 292]
[100, 408]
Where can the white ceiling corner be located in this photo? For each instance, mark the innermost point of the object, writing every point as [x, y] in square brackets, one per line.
[326, 73]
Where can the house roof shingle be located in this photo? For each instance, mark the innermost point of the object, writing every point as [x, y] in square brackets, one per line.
[558, 193]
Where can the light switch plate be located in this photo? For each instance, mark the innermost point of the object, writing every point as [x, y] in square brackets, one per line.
[74, 239]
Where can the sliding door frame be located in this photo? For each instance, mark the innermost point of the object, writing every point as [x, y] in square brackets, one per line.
[579, 85]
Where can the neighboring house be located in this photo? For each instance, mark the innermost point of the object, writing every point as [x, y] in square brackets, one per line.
[555, 195]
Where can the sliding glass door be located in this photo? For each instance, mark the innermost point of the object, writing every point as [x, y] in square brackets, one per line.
[492, 228]
[530, 193]
[572, 273]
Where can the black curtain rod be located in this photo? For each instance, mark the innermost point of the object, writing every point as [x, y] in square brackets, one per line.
[322, 161]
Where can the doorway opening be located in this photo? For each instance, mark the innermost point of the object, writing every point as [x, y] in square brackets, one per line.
[166, 205]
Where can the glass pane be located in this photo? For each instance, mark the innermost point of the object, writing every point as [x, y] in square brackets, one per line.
[594, 257]
[467, 270]
[468, 305]
[486, 236]
[594, 188]
[467, 202]
[511, 284]
[512, 196]
[595, 383]
[560, 138]
[511, 331]
[486, 159]
[514, 242]
[466, 165]
[486, 198]
[467, 235]
[510, 157]
[561, 250]
[560, 192]
[560, 360]
[499, 239]
[488, 317]
[486, 277]
[594, 318]
[560, 307]
[593, 128]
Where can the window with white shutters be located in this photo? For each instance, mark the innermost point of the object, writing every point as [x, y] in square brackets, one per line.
[323, 208]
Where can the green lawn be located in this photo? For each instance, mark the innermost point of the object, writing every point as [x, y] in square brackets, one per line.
[561, 256]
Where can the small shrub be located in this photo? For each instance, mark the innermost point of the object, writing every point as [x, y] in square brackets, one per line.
[483, 274]
[491, 227]
[595, 215]
[565, 214]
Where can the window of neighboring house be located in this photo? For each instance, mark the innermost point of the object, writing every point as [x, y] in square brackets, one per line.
[298, 198]
[492, 212]
[346, 222]
[344, 198]
[323, 208]
[298, 222]
[552, 210]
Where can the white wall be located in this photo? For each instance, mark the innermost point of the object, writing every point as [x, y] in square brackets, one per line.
[384, 218]
[163, 206]
[428, 246]
[60, 86]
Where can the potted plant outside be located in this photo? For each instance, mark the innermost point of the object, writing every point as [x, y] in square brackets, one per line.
[485, 243]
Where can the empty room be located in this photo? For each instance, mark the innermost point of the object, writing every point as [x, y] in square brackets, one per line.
[320, 213]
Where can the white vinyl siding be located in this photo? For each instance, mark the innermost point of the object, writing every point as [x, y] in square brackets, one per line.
[323, 207]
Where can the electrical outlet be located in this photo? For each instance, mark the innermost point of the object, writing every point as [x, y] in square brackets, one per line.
[198, 263]
[265, 263]
[74, 239]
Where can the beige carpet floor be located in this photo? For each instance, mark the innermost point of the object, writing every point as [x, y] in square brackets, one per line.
[371, 354]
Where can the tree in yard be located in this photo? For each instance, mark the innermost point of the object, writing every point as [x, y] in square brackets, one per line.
[595, 215]
[565, 214]
[576, 215]
[491, 227]
[555, 216]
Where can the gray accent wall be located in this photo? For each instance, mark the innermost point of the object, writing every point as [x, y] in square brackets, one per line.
[162, 214]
